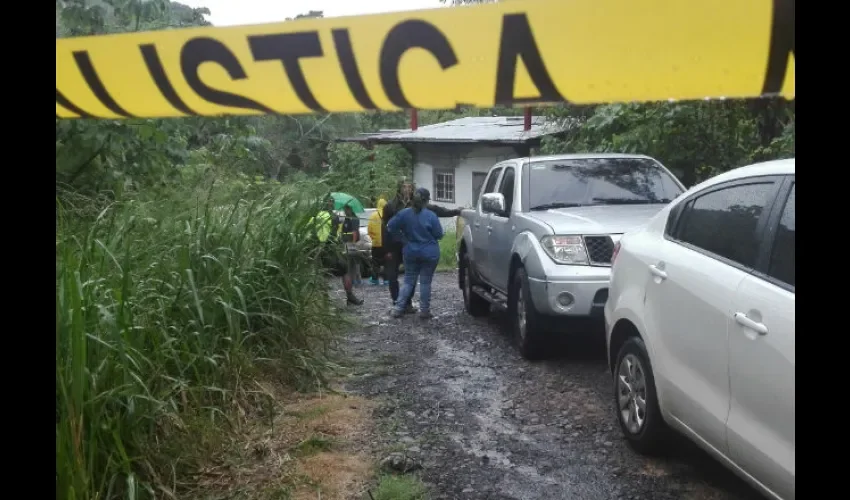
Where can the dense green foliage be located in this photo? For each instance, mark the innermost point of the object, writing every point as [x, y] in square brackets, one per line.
[695, 139]
[166, 307]
[185, 266]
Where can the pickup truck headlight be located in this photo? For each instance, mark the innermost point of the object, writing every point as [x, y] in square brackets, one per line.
[565, 249]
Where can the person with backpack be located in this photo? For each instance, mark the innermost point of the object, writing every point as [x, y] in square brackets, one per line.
[393, 246]
[374, 229]
[328, 229]
[350, 232]
[420, 229]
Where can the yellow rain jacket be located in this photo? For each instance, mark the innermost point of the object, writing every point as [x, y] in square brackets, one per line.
[324, 225]
[374, 226]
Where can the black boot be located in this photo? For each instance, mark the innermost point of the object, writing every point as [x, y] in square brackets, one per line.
[352, 299]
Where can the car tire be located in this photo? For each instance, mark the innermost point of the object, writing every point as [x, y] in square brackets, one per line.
[474, 304]
[634, 381]
[525, 321]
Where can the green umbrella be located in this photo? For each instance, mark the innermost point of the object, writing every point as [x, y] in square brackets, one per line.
[343, 199]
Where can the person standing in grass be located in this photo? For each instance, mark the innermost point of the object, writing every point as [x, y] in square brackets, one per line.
[328, 227]
[421, 230]
[374, 230]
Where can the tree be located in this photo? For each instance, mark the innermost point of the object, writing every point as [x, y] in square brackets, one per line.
[695, 139]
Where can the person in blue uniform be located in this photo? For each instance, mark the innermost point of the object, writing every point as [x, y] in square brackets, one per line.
[420, 230]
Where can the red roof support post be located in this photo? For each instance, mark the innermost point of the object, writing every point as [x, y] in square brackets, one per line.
[526, 123]
[414, 119]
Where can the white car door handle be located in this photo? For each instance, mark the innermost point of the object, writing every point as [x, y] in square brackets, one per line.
[477, 224]
[657, 272]
[746, 322]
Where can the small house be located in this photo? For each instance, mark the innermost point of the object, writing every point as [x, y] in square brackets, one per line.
[451, 159]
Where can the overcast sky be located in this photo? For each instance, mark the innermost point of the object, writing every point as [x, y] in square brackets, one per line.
[230, 12]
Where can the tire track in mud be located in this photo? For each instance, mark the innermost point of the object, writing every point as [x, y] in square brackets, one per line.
[487, 424]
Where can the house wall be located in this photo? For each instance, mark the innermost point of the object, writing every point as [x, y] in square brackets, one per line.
[463, 161]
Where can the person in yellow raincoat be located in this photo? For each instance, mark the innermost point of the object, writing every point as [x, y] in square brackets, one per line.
[378, 253]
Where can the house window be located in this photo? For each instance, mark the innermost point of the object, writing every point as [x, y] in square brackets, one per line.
[444, 186]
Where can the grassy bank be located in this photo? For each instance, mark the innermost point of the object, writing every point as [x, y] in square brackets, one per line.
[166, 310]
[448, 252]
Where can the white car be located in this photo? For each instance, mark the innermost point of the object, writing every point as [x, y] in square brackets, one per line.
[700, 324]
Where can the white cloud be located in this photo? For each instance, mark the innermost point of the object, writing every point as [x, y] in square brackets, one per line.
[235, 12]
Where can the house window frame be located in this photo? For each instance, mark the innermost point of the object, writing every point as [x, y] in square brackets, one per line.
[451, 171]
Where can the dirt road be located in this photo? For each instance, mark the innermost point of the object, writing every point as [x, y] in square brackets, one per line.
[487, 424]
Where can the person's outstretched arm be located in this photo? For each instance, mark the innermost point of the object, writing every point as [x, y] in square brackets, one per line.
[443, 211]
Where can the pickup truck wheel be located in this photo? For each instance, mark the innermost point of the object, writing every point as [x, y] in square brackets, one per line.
[474, 304]
[526, 322]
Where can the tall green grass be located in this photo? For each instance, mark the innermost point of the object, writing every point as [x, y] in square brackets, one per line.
[164, 311]
[448, 252]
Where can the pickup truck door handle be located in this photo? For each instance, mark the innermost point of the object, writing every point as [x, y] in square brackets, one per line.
[476, 224]
[656, 271]
[746, 322]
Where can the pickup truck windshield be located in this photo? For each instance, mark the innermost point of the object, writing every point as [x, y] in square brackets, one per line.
[599, 181]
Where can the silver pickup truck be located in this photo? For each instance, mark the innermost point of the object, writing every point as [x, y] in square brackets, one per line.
[539, 243]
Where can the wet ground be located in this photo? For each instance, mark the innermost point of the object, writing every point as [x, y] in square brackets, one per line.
[486, 424]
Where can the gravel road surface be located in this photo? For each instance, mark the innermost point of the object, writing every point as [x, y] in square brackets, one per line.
[486, 424]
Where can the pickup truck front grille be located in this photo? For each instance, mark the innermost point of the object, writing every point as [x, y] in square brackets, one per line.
[600, 249]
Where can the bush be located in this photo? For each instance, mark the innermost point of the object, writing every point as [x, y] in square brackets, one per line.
[164, 310]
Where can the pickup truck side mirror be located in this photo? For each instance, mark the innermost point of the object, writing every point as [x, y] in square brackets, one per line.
[493, 203]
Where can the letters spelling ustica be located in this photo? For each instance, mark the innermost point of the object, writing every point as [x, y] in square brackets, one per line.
[536, 51]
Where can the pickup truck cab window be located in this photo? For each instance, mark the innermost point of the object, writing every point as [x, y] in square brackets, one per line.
[599, 181]
[507, 188]
[490, 184]
[490, 187]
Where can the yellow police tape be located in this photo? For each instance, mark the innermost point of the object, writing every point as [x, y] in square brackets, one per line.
[580, 51]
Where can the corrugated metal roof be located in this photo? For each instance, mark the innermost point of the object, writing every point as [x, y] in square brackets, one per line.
[492, 129]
